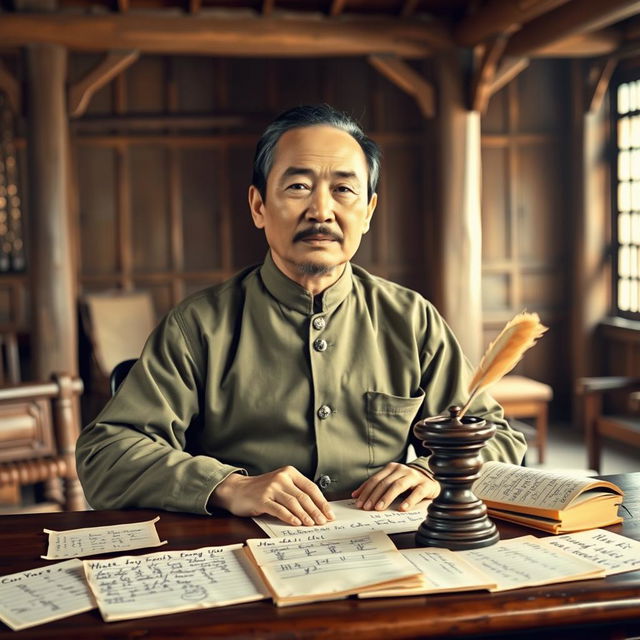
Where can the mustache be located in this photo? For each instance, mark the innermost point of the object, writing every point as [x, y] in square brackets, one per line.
[318, 230]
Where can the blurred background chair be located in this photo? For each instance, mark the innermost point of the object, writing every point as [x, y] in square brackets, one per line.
[9, 359]
[39, 426]
[119, 373]
[609, 409]
[524, 398]
[116, 325]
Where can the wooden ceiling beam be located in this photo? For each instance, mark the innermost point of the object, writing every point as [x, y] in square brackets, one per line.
[408, 80]
[601, 74]
[485, 73]
[498, 16]
[80, 94]
[584, 45]
[508, 70]
[577, 17]
[337, 6]
[180, 34]
[408, 8]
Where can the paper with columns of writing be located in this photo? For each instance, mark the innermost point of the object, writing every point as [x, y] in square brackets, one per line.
[91, 541]
[171, 581]
[45, 594]
[611, 551]
[316, 566]
[349, 520]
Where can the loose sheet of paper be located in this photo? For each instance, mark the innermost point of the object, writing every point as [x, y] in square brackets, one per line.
[172, 581]
[42, 595]
[316, 565]
[525, 562]
[91, 541]
[442, 571]
[349, 519]
[611, 551]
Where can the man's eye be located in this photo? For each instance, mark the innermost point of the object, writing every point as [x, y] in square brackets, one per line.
[297, 186]
[344, 189]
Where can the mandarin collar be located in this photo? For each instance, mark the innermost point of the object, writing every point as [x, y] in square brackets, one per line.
[295, 297]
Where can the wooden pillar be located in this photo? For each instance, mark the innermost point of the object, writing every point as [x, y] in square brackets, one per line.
[53, 293]
[591, 270]
[460, 179]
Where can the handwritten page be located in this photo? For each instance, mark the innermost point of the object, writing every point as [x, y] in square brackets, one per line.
[526, 562]
[442, 571]
[172, 581]
[529, 487]
[42, 595]
[611, 551]
[315, 567]
[91, 541]
[350, 519]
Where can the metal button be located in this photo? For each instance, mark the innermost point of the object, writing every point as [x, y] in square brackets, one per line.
[320, 344]
[324, 412]
[319, 323]
[324, 482]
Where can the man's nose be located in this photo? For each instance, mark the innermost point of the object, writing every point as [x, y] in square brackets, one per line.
[321, 206]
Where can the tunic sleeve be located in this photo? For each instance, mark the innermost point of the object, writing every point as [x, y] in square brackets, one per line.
[133, 454]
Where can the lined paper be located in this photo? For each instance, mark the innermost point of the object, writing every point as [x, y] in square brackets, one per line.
[350, 520]
[42, 595]
[611, 551]
[525, 562]
[77, 543]
[172, 581]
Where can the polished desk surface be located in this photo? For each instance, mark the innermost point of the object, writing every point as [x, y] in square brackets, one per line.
[603, 608]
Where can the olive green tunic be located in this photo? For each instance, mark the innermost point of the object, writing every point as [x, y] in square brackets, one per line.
[254, 374]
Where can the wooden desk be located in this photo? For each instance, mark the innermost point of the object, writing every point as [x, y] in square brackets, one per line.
[608, 608]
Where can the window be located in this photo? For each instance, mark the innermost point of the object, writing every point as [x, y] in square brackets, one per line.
[626, 198]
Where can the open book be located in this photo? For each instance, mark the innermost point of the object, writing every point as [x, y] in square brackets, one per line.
[547, 500]
[313, 567]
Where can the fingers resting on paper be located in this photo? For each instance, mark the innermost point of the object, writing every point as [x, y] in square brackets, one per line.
[395, 479]
[284, 493]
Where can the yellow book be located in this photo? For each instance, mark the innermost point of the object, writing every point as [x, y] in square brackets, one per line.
[551, 501]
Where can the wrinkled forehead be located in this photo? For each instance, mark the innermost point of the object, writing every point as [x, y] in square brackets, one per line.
[319, 147]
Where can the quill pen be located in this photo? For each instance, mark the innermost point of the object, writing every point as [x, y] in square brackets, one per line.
[504, 353]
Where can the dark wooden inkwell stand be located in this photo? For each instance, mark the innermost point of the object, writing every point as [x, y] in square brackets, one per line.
[456, 519]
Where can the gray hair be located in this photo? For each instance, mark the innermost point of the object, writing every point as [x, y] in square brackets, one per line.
[308, 116]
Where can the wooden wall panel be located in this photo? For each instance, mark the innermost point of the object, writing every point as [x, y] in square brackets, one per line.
[95, 169]
[201, 203]
[191, 72]
[149, 209]
[145, 85]
[496, 220]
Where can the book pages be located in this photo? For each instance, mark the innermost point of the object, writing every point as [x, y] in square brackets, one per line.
[77, 543]
[314, 567]
[516, 485]
[172, 581]
[442, 571]
[349, 519]
[611, 551]
[45, 594]
[525, 562]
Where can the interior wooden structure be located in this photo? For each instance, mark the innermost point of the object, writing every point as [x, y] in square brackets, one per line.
[134, 124]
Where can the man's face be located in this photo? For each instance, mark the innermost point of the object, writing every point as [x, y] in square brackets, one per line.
[316, 208]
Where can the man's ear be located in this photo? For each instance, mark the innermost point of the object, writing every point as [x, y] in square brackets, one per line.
[370, 209]
[257, 207]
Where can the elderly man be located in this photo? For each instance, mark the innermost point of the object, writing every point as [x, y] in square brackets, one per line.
[294, 382]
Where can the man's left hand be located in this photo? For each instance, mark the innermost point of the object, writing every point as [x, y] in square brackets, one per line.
[382, 488]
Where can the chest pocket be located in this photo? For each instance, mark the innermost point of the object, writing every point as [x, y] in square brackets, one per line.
[389, 419]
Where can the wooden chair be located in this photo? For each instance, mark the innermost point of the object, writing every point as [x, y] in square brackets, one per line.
[601, 421]
[523, 397]
[39, 426]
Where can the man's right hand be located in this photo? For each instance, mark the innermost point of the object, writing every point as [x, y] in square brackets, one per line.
[284, 493]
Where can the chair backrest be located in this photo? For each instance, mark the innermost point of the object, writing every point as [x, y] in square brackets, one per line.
[118, 324]
[39, 426]
[119, 373]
